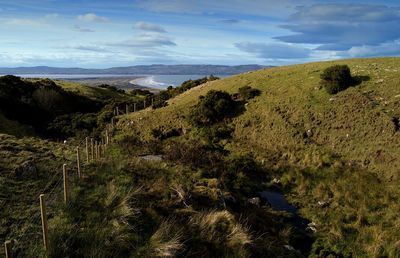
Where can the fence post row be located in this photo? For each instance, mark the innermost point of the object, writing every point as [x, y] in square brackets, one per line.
[44, 224]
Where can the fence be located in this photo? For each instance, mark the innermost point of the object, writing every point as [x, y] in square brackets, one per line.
[51, 195]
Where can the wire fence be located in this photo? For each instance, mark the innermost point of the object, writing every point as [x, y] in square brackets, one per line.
[27, 231]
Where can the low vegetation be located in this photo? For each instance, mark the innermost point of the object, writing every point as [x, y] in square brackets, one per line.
[336, 78]
[184, 180]
[162, 97]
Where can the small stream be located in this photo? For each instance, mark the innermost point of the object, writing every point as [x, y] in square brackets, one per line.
[278, 202]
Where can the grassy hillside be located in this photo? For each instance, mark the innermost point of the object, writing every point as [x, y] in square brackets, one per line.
[292, 102]
[339, 150]
[174, 183]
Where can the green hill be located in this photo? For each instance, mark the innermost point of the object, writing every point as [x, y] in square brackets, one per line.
[185, 180]
[342, 150]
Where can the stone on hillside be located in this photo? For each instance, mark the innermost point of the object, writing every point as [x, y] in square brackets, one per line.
[255, 201]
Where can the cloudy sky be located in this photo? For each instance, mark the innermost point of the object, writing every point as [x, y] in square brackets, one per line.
[103, 33]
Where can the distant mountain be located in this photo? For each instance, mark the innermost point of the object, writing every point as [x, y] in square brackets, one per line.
[139, 69]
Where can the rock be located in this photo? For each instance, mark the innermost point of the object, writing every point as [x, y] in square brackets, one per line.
[26, 169]
[322, 204]
[255, 201]
[276, 181]
[313, 229]
[309, 133]
[312, 224]
[289, 247]
[154, 158]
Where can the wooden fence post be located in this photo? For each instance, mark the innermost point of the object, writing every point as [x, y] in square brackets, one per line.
[66, 190]
[112, 122]
[144, 104]
[127, 109]
[78, 162]
[44, 224]
[96, 150]
[87, 149]
[152, 101]
[8, 248]
[92, 147]
[99, 149]
[134, 107]
[117, 111]
[107, 140]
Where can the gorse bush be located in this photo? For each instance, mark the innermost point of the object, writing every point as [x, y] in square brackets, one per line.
[336, 78]
[247, 93]
[161, 98]
[212, 108]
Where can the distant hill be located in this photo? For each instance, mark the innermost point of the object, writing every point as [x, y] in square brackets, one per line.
[139, 69]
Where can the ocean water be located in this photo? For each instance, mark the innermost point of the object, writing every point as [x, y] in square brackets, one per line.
[163, 81]
[152, 81]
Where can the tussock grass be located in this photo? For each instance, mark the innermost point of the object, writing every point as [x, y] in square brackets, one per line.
[167, 241]
[220, 229]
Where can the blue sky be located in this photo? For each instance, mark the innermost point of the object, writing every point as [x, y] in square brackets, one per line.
[99, 34]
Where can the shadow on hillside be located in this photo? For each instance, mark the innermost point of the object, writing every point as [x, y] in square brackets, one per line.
[357, 80]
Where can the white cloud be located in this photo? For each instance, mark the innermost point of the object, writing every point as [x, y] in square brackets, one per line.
[148, 27]
[274, 50]
[385, 49]
[80, 29]
[146, 40]
[92, 17]
[340, 27]
[24, 22]
[51, 16]
[91, 48]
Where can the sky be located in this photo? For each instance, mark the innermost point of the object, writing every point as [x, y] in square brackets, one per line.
[104, 33]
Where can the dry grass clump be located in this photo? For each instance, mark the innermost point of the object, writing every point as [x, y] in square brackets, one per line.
[167, 241]
[220, 228]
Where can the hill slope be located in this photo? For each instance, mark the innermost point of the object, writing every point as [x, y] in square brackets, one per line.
[292, 102]
[336, 156]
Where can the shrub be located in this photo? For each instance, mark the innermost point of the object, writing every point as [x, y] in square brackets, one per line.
[336, 78]
[212, 108]
[247, 93]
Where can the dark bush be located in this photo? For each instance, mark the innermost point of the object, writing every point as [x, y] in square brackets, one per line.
[242, 174]
[111, 88]
[193, 154]
[161, 98]
[162, 134]
[212, 108]
[336, 78]
[247, 93]
[38, 103]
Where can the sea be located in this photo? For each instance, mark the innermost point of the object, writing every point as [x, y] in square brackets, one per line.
[152, 81]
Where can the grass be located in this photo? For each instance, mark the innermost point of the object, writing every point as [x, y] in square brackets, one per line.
[39, 162]
[341, 149]
[334, 157]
